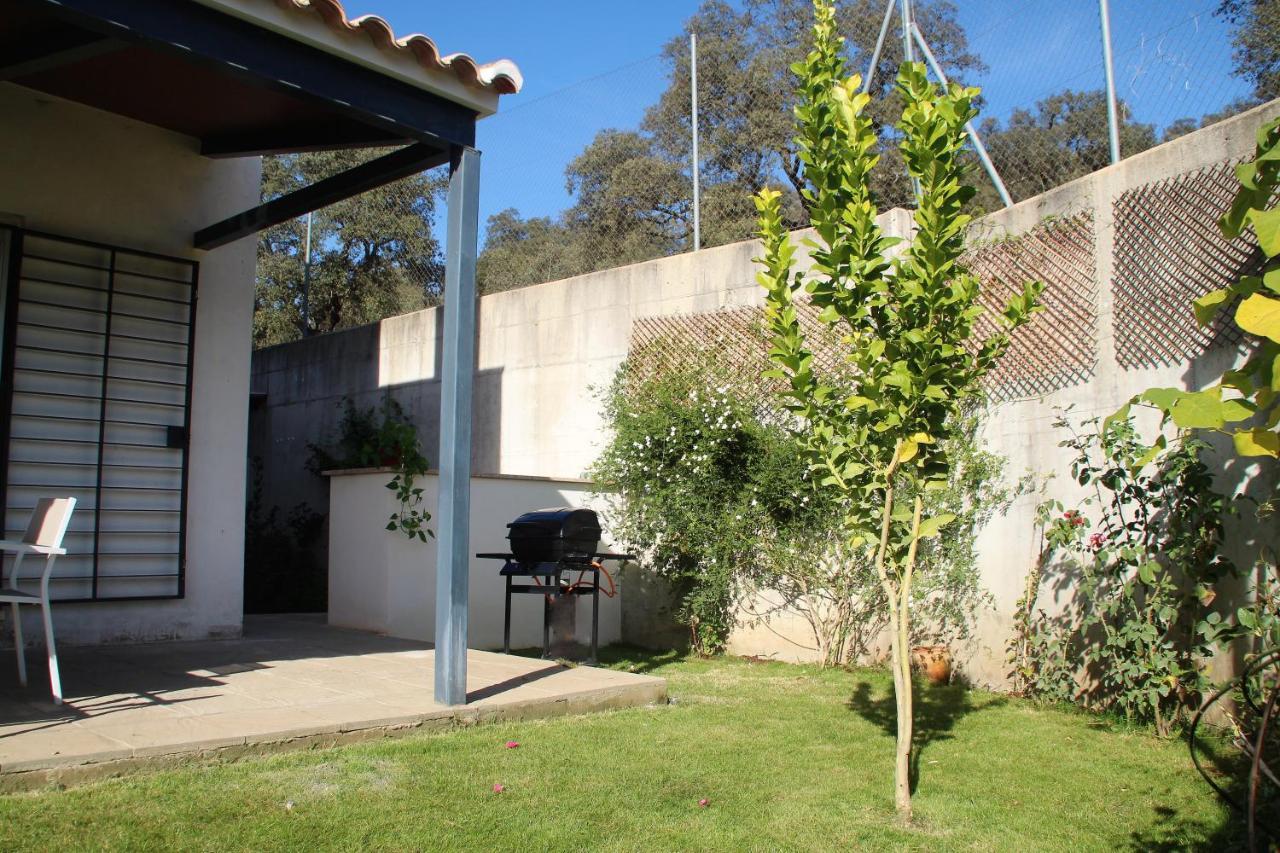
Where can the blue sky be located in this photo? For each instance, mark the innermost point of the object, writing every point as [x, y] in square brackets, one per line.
[592, 65]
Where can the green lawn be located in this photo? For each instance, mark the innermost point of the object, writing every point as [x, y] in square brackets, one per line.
[790, 757]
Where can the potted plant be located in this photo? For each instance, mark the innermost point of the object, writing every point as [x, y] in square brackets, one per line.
[934, 661]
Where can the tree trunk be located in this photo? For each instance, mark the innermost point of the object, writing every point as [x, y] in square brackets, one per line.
[902, 703]
[899, 602]
[903, 687]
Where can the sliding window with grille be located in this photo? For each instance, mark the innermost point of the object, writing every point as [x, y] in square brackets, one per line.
[96, 405]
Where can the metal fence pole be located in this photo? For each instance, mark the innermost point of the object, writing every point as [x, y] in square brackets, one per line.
[908, 52]
[1113, 117]
[458, 361]
[306, 283]
[875, 54]
[968, 126]
[693, 129]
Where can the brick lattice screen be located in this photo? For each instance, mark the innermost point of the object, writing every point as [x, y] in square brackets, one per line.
[1168, 252]
[1058, 348]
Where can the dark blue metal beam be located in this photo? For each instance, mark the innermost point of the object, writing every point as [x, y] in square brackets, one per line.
[53, 50]
[458, 364]
[241, 49]
[409, 160]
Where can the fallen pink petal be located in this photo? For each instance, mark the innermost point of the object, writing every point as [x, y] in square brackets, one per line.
[704, 802]
[498, 787]
[512, 744]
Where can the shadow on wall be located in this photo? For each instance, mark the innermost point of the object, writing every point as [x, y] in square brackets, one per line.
[298, 392]
[649, 611]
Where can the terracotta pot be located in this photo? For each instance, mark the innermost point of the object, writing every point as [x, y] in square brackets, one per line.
[935, 662]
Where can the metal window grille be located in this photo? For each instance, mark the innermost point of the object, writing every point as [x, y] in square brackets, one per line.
[96, 404]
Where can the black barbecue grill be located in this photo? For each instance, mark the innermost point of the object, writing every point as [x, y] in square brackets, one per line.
[547, 545]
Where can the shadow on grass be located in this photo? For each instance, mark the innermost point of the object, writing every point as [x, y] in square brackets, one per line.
[1170, 830]
[937, 710]
[623, 657]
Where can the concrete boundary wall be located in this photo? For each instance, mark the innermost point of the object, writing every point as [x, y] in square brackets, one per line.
[544, 352]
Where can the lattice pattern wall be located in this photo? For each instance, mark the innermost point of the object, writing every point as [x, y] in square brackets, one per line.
[1168, 252]
[1059, 346]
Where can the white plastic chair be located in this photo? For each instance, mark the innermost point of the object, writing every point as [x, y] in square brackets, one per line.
[44, 534]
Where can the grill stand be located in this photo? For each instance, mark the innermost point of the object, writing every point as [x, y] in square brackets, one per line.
[553, 586]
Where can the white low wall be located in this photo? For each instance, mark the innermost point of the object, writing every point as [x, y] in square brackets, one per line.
[380, 580]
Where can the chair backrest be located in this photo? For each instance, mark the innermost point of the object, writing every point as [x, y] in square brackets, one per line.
[49, 522]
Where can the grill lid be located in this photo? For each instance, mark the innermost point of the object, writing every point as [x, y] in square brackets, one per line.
[554, 534]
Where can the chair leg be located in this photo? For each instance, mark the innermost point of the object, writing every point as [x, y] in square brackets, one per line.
[55, 683]
[17, 642]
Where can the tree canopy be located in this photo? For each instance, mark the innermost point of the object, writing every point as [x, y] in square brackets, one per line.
[372, 256]
[631, 190]
[1256, 43]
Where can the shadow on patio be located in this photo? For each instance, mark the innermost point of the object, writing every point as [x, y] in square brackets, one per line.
[289, 682]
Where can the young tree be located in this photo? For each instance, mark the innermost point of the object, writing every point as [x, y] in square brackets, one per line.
[908, 322]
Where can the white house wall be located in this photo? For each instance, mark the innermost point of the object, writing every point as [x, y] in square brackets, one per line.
[78, 172]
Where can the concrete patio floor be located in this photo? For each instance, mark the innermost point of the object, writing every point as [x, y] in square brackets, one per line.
[290, 683]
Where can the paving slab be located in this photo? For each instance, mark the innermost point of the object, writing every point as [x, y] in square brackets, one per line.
[291, 683]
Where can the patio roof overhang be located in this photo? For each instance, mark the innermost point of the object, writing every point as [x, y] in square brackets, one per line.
[240, 88]
[251, 77]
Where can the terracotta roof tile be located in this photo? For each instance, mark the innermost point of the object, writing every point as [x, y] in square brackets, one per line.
[502, 76]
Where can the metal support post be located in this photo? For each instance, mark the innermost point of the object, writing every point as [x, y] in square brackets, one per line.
[1113, 113]
[875, 54]
[693, 129]
[968, 126]
[457, 369]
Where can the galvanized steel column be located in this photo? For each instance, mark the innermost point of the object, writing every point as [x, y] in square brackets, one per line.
[693, 125]
[1113, 114]
[456, 372]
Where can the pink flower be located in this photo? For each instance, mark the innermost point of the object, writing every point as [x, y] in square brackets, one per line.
[511, 744]
[703, 803]
[1095, 541]
[498, 787]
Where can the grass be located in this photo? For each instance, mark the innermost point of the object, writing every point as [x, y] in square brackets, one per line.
[790, 757]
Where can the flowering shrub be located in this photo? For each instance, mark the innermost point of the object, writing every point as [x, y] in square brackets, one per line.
[698, 479]
[1146, 547]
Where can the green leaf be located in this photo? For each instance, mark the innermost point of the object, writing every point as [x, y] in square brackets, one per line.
[1201, 410]
[1260, 315]
[1266, 224]
[1207, 306]
[1150, 454]
[1234, 411]
[931, 526]
[1147, 572]
[1120, 414]
[908, 449]
[1257, 442]
[1163, 398]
